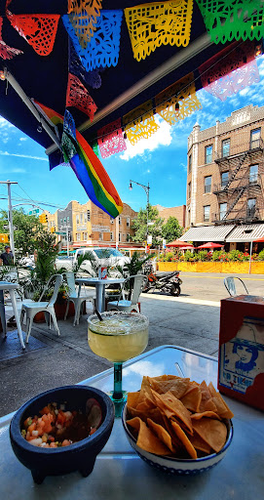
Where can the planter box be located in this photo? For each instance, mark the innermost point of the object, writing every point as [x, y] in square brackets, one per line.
[60, 311]
[213, 267]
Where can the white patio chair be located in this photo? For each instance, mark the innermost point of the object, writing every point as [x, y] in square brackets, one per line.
[30, 309]
[136, 284]
[230, 285]
[78, 301]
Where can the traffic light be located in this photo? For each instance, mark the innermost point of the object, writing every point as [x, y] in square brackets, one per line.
[4, 238]
[43, 218]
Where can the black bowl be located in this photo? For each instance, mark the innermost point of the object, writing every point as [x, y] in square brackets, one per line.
[78, 456]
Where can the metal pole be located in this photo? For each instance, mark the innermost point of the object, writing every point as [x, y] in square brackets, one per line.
[250, 257]
[18, 89]
[10, 216]
[146, 189]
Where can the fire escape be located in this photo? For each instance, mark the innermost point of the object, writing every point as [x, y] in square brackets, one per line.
[240, 193]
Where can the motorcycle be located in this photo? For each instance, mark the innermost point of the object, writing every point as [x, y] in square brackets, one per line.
[164, 282]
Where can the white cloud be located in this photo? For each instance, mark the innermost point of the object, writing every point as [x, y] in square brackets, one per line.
[23, 139]
[5, 153]
[162, 137]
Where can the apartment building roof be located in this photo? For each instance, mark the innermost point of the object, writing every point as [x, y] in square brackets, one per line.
[208, 233]
[229, 233]
[249, 232]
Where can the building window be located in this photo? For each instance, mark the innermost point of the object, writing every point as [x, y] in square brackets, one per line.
[189, 190]
[119, 237]
[128, 237]
[100, 236]
[77, 219]
[190, 164]
[207, 184]
[111, 220]
[225, 147]
[222, 210]
[81, 218]
[78, 237]
[209, 154]
[224, 179]
[206, 213]
[253, 173]
[119, 220]
[111, 236]
[85, 236]
[251, 207]
[128, 222]
[85, 217]
[255, 138]
[88, 215]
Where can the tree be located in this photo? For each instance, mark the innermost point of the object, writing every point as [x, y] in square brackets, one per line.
[172, 230]
[154, 229]
[28, 228]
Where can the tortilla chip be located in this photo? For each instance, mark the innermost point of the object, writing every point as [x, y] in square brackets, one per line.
[176, 386]
[212, 431]
[184, 439]
[210, 414]
[222, 409]
[146, 439]
[161, 433]
[132, 399]
[206, 401]
[199, 444]
[171, 406]
[192, 399]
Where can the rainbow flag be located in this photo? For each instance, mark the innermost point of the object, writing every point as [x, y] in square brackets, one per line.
[90, 171]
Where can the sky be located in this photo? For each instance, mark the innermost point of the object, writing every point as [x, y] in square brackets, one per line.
[160, 160]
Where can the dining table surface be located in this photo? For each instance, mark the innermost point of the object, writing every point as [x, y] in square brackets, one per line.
[100, 285]
[120, 474]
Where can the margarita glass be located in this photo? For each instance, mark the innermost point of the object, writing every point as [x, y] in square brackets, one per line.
[118, 337]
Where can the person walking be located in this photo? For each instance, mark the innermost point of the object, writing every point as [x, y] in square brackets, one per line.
[7, 257]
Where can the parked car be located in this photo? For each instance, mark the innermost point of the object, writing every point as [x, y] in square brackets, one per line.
[102, 256]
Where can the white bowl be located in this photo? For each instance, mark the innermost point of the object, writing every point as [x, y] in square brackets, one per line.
[176, 465]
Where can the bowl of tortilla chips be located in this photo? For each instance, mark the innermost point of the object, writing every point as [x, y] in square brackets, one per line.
[178, 425]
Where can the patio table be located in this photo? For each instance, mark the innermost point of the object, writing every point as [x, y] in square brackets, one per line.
[120, 474]
[100, 285]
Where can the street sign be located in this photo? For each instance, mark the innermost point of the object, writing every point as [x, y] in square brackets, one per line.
[34, 212]
[60, 232]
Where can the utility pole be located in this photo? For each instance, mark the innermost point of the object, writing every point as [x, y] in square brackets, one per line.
[146, 189]
[10, 216]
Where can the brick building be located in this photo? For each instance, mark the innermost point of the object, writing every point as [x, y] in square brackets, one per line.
[225, 176]
[177, 212]
[88, 225]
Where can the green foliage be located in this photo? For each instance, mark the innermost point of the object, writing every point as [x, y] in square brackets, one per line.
[140, 226]
[235, 256]
[28, 229]
[172, 230]
[202, 255]
[136, 263]
[261, 255]
[169, 256]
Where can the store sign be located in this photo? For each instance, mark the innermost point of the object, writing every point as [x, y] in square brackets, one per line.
[101, 229]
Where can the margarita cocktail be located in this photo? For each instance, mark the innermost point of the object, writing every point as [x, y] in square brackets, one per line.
[118, 337]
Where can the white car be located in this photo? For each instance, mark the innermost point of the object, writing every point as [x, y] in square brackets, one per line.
[102, 256]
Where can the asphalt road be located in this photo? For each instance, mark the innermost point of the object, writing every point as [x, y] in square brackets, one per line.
[210, 286]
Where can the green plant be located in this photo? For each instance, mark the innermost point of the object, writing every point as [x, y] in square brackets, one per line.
[136, 263]
[261, 255]
[202, 255]
[169, 256]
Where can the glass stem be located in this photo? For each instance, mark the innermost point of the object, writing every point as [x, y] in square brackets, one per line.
[118, 393]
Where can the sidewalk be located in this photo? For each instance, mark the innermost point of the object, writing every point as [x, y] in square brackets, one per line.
[51, 361]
